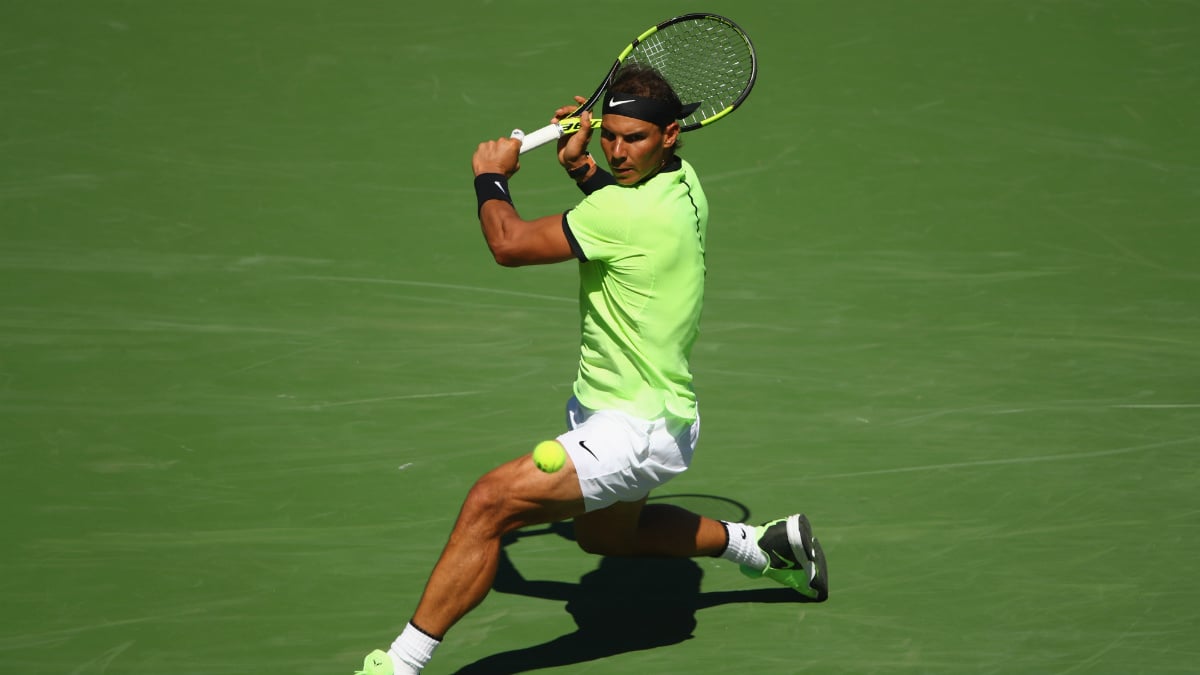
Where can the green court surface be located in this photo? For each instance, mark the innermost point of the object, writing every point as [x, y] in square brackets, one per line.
[253, 350]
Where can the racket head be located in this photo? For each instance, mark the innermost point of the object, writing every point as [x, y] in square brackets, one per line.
[707, 58]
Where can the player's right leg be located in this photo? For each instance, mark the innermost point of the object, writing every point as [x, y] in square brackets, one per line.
[514, 495]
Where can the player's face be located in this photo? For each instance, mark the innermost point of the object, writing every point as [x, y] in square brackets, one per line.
[635, 148]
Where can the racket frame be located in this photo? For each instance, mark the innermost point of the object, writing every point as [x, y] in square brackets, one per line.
[572, 122]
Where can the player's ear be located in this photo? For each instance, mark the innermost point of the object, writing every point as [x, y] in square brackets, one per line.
[670, 135]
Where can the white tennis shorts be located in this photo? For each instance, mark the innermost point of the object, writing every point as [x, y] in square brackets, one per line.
[621, 458]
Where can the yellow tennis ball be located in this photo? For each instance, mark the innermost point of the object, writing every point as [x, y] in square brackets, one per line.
[549, 456]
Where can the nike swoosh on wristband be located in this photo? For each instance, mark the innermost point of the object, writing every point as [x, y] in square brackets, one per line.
[501, 186]
[612, 102]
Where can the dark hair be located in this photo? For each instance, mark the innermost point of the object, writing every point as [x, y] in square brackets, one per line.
[645, 81]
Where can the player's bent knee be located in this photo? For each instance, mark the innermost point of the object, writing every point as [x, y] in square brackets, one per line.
[485, 502]
[490, 505]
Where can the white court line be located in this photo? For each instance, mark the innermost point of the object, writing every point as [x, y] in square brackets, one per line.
[1156, 405]
[273, 359]
[430, 284]
[401, 397]
[1016, 460]
[10, 642]
[990, 410]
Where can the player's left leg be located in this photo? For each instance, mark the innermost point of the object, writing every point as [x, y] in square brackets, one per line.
[784, 550]
[619, 459]
[638, 529]
[793, 557]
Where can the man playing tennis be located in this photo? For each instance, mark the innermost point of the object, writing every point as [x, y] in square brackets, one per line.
[639, 237]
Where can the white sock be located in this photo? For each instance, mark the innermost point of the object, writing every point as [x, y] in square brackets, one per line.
[743, 546]
[402, 667]
[412, 651]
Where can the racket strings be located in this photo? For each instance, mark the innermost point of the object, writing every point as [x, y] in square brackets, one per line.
[706, 62]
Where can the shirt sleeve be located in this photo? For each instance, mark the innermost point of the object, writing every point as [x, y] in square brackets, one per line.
[574, 243]
[599, 226]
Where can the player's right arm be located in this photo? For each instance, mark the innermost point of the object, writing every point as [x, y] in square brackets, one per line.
[513, 241]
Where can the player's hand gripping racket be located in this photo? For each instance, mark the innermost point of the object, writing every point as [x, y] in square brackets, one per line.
[706, 58]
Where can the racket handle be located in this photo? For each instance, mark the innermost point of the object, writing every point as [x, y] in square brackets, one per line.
[540, 137]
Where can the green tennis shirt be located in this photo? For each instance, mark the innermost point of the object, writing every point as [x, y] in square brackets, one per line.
[641, 291]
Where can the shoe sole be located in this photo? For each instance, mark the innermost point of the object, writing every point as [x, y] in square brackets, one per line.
[800, 530]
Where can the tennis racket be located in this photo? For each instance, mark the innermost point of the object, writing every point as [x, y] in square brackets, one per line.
[707, 59]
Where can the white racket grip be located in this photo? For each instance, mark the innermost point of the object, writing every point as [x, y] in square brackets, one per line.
[540, 137]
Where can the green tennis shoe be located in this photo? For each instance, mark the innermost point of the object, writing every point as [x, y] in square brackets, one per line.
[794, 557]
[376, 663]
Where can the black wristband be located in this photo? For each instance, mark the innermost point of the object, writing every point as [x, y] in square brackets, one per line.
[581, 170]
[490, 186]
[600, 179]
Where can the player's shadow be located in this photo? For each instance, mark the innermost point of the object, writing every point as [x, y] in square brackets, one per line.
[625, 605]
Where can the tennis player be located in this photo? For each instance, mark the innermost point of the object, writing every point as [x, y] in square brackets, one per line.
[633, 422]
